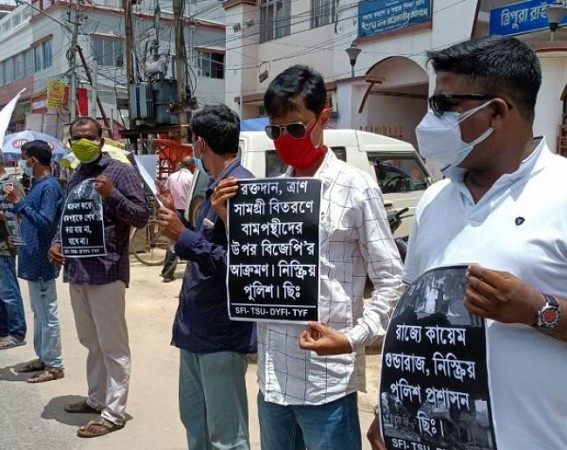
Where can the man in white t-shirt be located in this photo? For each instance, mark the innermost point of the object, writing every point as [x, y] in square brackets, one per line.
[179, 184]
[501, 209]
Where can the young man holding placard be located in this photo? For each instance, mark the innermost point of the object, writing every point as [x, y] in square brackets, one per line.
[309, 376]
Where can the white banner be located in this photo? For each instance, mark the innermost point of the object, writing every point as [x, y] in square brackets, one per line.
[6, 116]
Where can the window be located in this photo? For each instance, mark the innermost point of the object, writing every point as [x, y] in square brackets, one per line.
[38, 58]
[19, 66]
[274, 165]
[47, 54]
[108, 51]
[275, 19]
[399, 173]
[8, 71]
[26, 13]
[28, 62]
[16, 20]
[211, 65]
[340, 152]
[322, 12]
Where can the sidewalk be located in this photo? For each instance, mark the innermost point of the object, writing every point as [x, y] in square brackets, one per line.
[32, 416]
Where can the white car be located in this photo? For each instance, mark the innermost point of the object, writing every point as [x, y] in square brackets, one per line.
[395, 165]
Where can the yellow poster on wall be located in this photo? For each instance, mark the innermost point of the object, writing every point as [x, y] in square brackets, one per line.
[55, 94]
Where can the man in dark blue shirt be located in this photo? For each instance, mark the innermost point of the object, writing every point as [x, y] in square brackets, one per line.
[40, 212]
[212, 387]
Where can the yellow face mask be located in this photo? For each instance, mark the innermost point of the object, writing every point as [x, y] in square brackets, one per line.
[86, 150]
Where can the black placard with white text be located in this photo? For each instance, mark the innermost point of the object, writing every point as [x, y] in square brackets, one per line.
[273, 250]
[434, 390]
[82, 222]
[10, 218]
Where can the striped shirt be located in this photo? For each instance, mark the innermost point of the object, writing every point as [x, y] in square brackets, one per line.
[355, 243]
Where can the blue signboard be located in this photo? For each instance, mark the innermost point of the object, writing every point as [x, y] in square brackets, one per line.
[380, 16]
[519, 18]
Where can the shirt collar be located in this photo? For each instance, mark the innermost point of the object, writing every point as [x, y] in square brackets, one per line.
[225, 173]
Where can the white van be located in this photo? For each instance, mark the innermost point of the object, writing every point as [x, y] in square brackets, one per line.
[394, 164]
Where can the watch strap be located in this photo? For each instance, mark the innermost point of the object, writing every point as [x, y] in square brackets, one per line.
[551, 300]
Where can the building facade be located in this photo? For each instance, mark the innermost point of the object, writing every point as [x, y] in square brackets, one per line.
[388, 92]
[36, 41]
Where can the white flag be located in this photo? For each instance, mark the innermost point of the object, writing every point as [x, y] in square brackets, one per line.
[6, 116]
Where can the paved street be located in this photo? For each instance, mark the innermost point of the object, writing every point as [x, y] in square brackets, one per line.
[32, 416]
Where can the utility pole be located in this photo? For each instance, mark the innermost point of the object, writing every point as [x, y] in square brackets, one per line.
[127, 6]
[94, 94]
[180, 69]
[73, 63]
[93, 81]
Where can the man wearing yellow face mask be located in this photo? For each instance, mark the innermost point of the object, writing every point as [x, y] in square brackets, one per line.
[97, 284]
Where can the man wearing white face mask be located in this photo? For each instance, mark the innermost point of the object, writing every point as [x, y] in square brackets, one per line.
[490, 212]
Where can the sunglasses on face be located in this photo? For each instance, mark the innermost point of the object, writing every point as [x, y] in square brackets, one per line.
[296, 130]
[441, 103]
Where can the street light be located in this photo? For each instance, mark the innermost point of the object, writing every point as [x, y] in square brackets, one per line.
[353, 51]
[555, 14]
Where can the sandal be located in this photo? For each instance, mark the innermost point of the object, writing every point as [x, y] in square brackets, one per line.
[47, 375]
[11, 342]
[33, 366]
[98, 427]
[81, 407]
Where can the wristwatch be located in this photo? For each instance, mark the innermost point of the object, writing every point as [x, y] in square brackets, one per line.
[549, 315]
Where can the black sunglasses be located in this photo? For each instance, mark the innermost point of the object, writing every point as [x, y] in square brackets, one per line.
[296, 130]
[441, 103]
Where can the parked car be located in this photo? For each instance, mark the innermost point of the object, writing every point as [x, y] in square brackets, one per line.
[394, 164]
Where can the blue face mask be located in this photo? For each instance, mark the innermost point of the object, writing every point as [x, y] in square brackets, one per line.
[197, 159]
[28, 170]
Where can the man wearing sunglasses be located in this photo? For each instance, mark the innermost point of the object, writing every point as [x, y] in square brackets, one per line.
[309, 376]
[502, 208]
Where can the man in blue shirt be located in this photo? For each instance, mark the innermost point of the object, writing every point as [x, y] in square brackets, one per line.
[40, 212]
[212, 386]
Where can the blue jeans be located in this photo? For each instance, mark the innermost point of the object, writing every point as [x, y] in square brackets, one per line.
[212, 400]
[12, 317]
[47, 334]
[332, 426]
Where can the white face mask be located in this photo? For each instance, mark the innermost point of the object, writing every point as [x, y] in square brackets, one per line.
[439, 138]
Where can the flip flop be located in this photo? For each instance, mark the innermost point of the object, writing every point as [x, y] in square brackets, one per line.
[98, 427]
[11, 342]
[46, 375]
